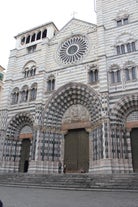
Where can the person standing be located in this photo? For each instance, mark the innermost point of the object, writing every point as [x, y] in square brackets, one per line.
[59, 167]
[64, 168]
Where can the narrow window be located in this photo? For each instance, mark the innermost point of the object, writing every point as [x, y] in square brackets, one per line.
[127, 74]
[123, 49]
[125, 21]
[91, 76]
[133, 46]
[33, 38]
[112, 77]
[118, 50]
[33, 94]
[119, 22]
[133, 71]
[51, 84]
[128, 47]
[28, 39]
[38, 36]
[96, 75]
[23, 40]
[44, 33]
[118, 76]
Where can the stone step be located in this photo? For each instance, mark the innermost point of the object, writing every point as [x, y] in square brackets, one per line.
[71, 181]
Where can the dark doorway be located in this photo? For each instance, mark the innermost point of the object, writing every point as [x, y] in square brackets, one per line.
[76, 150]
[24, 159]
[134, 148]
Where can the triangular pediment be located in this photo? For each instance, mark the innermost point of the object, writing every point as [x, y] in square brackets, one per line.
[75, 26]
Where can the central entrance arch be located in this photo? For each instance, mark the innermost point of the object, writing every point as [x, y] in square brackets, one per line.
[76, 151]
[134, 148]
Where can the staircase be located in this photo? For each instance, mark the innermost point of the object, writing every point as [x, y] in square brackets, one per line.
[71, 181]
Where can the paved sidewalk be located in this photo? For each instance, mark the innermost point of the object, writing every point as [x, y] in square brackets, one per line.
[24, 197]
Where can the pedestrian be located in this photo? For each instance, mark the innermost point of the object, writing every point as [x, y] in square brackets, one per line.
[59, 167]
[1, 204]
[64, 168]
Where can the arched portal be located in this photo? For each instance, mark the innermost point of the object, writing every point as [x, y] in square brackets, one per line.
[132, 125]
[124, 131]
[76, 143]
[20, 136]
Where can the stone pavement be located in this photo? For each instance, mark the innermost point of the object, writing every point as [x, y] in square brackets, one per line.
[26, 197]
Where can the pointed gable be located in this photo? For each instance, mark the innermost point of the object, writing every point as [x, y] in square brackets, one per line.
[74, 26]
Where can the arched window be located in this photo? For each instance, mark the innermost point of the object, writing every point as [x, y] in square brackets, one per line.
[33, 37]
[130, 73]
[51, 83]
[15, 96]
[28, 39]
[24, 94]
[33, 92]
[122, 17]
[93, 75]
[23, 40]
[115, 74]
[125, 43]
[44, 34]
[29, 69]
[38, 36]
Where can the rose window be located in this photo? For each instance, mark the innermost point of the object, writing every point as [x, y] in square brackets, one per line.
[73, 49]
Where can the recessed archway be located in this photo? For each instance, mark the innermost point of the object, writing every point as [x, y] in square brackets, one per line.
[69, 95]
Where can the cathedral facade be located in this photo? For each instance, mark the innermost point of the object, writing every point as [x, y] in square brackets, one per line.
[70, 96]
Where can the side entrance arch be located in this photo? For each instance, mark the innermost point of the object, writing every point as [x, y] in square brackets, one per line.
[76, 150]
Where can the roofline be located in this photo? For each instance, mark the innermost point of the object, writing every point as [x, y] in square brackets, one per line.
[95, 25]
[37, 27]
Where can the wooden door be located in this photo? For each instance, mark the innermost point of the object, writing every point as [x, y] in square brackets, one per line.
[134, 148]
[76, 155]
[24, 159]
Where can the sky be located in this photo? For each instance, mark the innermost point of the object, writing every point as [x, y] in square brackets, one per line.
[17, 16]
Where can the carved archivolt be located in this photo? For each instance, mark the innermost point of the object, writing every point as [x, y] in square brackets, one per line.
[124, 107]
[17, 123]
[67, 96]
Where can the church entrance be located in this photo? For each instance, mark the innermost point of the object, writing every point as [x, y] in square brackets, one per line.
[76, 148]
[134, 148]
[24, 159]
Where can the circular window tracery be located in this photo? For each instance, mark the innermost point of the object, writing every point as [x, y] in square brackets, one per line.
[73, 49]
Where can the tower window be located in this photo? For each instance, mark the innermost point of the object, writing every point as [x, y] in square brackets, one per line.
[122, 21]
[44, 33]
[38, 36]
[115, 76]
[31, 49]
[126, 48]
[33, 38]
[51, 83]
[28, 39]
[130, 73]
[93, 76]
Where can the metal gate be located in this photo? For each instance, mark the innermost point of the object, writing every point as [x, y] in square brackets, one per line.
[76, 156]
[24, 159]
[134, 148]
